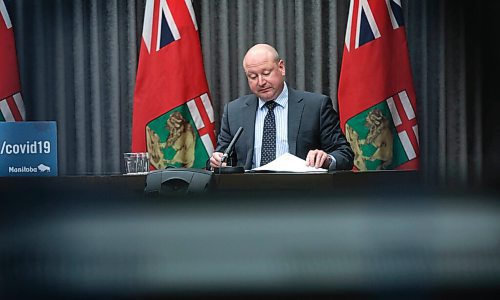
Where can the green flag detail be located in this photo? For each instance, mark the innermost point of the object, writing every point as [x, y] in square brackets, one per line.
[173, 140]
[374, 139]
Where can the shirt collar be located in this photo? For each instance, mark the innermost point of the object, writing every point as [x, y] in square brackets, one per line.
[282, 99]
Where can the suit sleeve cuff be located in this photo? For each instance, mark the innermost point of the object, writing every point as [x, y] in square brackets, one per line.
[333, 164]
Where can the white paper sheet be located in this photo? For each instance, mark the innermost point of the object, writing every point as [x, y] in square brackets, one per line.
[288, 163]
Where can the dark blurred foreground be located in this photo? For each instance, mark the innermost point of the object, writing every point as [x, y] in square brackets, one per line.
[100, 242]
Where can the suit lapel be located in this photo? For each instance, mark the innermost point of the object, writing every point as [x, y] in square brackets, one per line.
[249, 111]
[295, 108]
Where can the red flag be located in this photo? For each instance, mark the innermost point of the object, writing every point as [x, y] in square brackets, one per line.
[173, 117]
[11, 101]
[376, 95]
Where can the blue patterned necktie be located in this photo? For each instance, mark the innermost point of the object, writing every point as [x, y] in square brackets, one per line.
[268, 151]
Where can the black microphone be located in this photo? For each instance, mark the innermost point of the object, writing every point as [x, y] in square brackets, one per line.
[229, 148]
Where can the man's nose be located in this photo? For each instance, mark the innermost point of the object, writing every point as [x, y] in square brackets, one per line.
[261, 80]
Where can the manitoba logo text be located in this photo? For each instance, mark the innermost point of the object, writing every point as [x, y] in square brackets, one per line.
[29, 169]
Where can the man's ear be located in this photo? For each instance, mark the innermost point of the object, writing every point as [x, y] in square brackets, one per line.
[281, 66]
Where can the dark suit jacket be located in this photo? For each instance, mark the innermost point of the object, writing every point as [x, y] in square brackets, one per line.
[312, 124]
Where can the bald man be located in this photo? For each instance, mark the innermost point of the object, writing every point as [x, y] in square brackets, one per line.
[305, 124]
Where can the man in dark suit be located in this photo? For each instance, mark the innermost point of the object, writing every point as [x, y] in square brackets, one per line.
[277, 119]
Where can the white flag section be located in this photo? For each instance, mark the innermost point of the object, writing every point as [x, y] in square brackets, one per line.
[198, 118]
[11, 106]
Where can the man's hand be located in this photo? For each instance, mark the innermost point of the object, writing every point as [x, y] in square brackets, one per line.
[215, 160]
[318, 159]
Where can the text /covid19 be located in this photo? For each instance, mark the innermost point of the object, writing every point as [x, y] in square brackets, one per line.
[30, 147]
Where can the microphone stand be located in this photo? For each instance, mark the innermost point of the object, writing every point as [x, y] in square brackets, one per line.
[228, 153]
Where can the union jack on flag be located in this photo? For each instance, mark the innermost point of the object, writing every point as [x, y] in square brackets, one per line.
[167, 31]
[366, 26]
[377, 102]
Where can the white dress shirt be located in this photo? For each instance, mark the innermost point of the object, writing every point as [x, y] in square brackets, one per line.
[281, 117]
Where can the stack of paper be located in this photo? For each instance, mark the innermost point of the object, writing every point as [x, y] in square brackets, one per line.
[288, 163]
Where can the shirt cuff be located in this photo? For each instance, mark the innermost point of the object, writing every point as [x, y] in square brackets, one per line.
[333, 164]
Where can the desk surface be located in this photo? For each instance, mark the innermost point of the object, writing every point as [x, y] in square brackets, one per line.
[133, 185]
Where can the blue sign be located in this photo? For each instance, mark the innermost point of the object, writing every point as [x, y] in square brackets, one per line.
[28, 148]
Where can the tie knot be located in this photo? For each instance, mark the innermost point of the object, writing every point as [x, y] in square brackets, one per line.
[271, 105]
